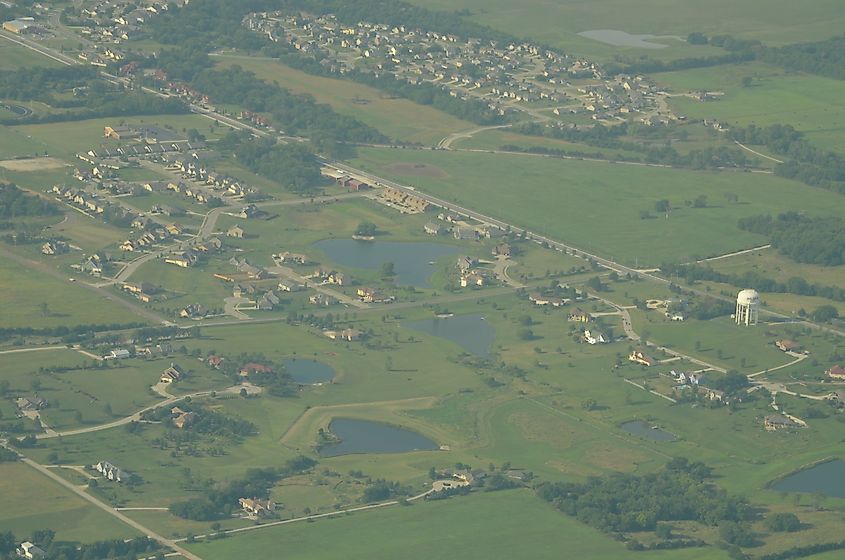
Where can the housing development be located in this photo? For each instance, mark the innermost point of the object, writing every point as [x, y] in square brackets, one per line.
[352, 279]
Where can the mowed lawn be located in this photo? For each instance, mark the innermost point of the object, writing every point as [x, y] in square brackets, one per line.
[508, 524]
[557, 22]
[596, 205]
[14, 57]
[397, 118]
[29, 501]
[811, 104]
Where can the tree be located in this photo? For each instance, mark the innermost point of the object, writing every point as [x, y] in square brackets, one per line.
[700, 201]
[783, 523]
[662, 206]
[525, 334]
[825, 313]
[663, 531]
[366, 228]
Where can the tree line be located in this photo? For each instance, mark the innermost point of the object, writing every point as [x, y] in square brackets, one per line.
[802, 238]
[118, 549]
[825, 58]
[16, 203]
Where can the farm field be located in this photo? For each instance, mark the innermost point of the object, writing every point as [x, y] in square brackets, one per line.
[477, 527]
[14, 56]
[597, 205]
[398, 118]
[557, 23]
[57, 508]
[808, 103]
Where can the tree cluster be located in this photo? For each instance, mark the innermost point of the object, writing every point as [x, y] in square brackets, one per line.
[825, 58]
[682, 491]
[15, 202]
[802, 238]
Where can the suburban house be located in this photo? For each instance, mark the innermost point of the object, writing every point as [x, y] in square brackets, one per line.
[465, 233]
[172, 374]
[214, 361]
[120, 133]
[183, 260]
[31, 404]
[433, 228]
[640, 357]
[594, 337]
[464, 264]
[687, 378]
[836, 372]
[580, 316]
[27, 549]
[235, 231]
[257, 508]
[322, 300]
[111, 472]
[473, 278]
[502, 250]
[349, 335]
[182, 419]
[194, 310]
[54, 248]
[787, 345]
[837, 398]
[775, 422]
[339, 279]
[290, 286]
[370, 295]
[292, 258]
[268, 301]
[716, 395]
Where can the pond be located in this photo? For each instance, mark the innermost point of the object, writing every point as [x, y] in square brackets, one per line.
[309, 372]
[363, 436]
[623, 39]
[471, 332]
[411, 261]
[647, 431]
[825, 478]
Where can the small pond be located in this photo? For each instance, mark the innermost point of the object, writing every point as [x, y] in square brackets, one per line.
[825, 478]
[309, 372]
[623, 39]
[647, 431]
[363, 436]
[411, 261]
[471, 332]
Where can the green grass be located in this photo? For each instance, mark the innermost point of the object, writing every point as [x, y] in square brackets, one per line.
[511, 524]
[29, 501]
[596, 206]
[808, 103]
[397, 118]
[14, 57]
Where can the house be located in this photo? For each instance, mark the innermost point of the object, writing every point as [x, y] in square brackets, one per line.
[594, 337]
[322, 300]
[214, 361]
[836, 372]
[182, 419]
[787, 345]
[120, 133]
[502, 250]
[268, 301]
[54, 248]
[473, 278]
[339, 279]
[350, 335]
[837, 398]
[433, 228]
[290, 286]
[111, 472]
[464, 264]
[183, 260]
[293, 258]
[31, 404]
[253, 367]
[257, 508]
[578, 315]
[370, 295]
[194, 310]
[716, 395]
[118, 354]
[640, 357]
[235, 231]
[27, 549]
[464, 233]
[775, 422]
[172, 374]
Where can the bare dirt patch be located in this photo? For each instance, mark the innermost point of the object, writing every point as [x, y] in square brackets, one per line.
[416, 169]
[32, 164]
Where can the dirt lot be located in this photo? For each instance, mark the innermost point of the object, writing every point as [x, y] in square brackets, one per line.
[416, 169]
[34, 164]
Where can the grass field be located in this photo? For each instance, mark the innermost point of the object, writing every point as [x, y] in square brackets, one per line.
[398, 118]
[597, 205]
[808, 103]
[14, 56]
[29, 501]
[512, 524]
[558, 22]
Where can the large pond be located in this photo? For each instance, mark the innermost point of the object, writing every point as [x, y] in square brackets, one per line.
[412, 261]
[363, 436]
[825, 478]
[471, 332]
[647, 431]
[309, 372]
[623, 39]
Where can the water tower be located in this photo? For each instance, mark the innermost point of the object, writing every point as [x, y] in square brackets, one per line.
[747, 307]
